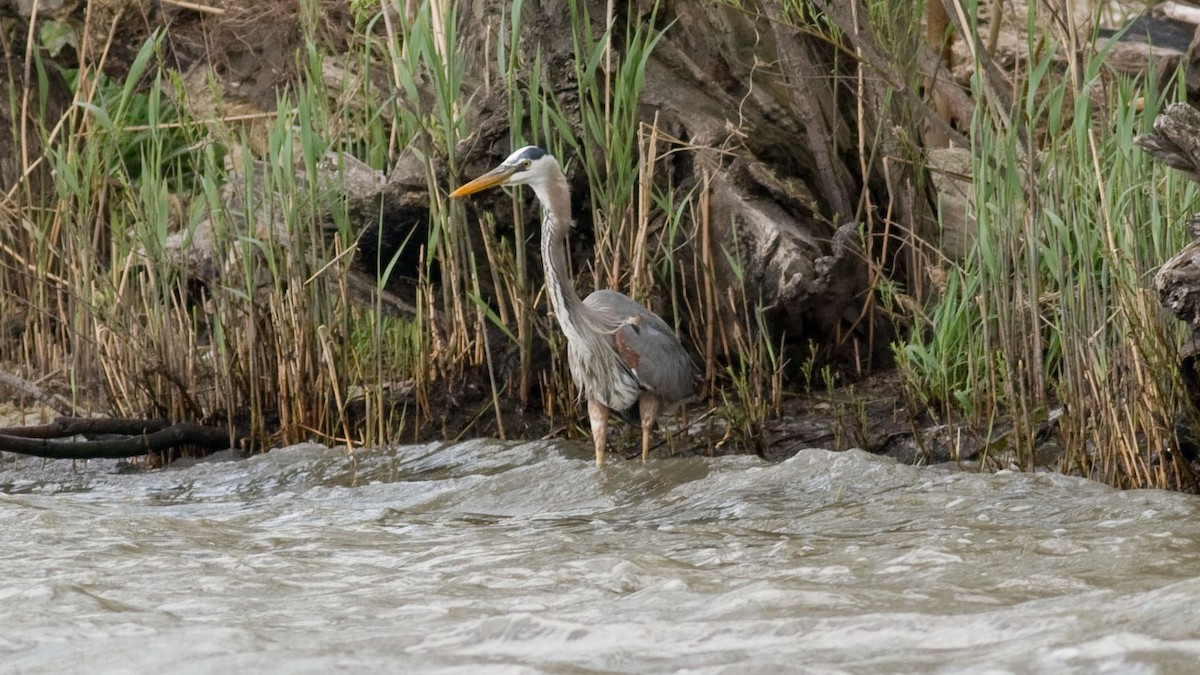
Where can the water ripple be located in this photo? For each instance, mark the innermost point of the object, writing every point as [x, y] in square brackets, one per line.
[524, 557]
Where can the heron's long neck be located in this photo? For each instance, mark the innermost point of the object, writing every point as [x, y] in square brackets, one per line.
[555, 198]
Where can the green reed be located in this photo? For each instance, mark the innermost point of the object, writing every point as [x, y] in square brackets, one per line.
[1053, 310]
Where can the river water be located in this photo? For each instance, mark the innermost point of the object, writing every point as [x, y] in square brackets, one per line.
[523, 558]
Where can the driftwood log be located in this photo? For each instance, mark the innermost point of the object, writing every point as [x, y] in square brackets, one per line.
[121, 438]
[105, 438]
[1175, 141]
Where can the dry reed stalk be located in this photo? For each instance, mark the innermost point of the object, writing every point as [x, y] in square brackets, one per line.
[196, 7]
[607, 263]
[498, 268]
[707, 273]
[455, 255]
[485, 341]
[426, 371]
[512, 306]
[334, 384]
[608, 69]
[645, 191]
[28, 78]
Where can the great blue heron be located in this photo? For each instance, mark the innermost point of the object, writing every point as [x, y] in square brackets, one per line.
[622, 356]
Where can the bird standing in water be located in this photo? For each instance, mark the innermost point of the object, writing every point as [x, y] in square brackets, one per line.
[623, 357]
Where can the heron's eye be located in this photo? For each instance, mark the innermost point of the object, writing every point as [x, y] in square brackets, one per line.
[526, 164]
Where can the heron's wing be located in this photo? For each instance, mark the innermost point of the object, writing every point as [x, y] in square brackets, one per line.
[657, 360]
[647, 346]
[616, 308]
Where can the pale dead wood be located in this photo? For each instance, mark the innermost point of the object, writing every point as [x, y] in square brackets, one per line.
[1176, 139]
[195, 7]
[23, 386]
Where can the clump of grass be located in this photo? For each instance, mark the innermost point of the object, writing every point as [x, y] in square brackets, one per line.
[1052, 307]
[270, 344]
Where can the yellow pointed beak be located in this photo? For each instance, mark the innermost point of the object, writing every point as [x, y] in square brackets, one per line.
[496, 176]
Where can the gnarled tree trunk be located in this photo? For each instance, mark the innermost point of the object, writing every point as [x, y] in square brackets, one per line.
[789, 134]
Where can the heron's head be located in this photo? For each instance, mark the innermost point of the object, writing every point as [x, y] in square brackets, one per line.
[530, 165]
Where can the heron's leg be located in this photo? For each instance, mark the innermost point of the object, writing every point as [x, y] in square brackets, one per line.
[648, 410]
[598, 415]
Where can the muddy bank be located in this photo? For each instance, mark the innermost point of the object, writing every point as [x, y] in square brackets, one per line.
[873, 414]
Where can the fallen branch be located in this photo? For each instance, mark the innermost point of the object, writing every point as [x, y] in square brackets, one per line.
[31, 390]
[140, 437]
[1175, 142]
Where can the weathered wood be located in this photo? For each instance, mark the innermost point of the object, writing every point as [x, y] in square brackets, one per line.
[27, 388]
[1175, 141]
[1178, 281]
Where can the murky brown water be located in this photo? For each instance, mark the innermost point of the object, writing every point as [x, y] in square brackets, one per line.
[490, 557]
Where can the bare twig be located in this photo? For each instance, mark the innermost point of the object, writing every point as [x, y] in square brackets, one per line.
[31, 390]
[219, 11]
